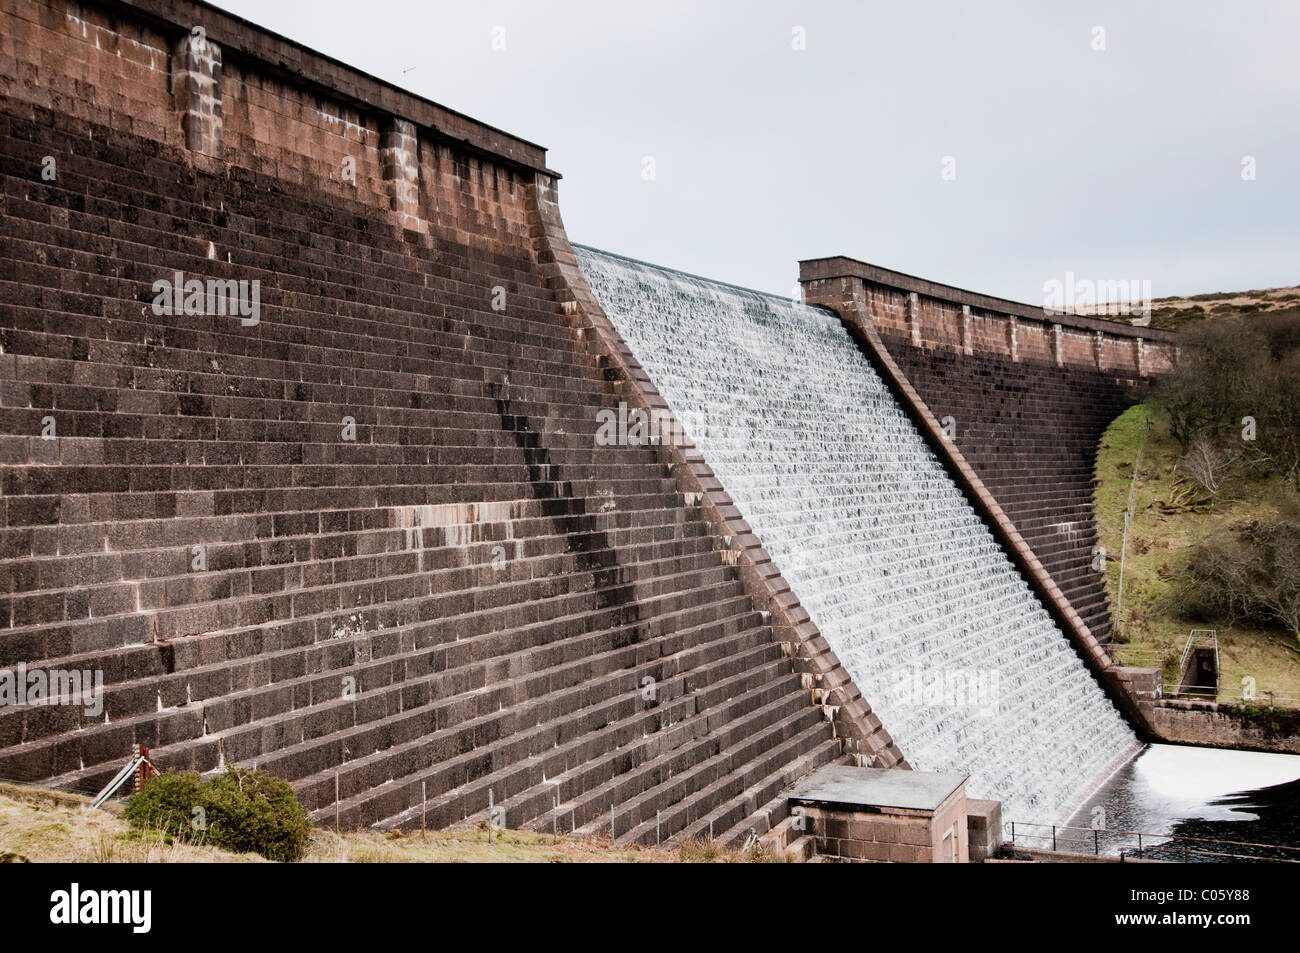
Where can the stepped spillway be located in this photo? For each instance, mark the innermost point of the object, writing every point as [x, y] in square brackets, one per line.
[1031, 432]
[942, 635]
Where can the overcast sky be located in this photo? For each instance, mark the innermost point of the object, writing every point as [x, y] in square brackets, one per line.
[1117, 163]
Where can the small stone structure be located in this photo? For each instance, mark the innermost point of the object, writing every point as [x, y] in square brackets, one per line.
[983, 828]
[870, 814]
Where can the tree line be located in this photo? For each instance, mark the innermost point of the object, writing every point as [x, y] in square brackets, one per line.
[1233, 405]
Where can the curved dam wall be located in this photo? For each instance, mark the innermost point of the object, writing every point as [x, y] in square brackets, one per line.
[352, 521]
[907, 584]
[1026, 395]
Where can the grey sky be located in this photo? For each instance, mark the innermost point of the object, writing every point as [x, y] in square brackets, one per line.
[1117, 164]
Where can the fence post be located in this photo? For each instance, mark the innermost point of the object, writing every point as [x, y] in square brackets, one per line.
[1128, 509]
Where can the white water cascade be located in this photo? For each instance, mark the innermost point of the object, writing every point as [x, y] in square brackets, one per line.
[944, 638]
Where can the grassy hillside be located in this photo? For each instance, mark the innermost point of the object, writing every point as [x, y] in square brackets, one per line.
[42, 826]
[1173, 313]
[1157, 542]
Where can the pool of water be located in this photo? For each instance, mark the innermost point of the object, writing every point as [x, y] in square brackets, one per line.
[1180, 797]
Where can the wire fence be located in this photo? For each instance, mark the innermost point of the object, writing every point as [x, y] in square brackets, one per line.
[1144, 845]
[1160, 658]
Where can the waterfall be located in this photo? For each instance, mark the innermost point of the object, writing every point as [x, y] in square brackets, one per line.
[942, 635]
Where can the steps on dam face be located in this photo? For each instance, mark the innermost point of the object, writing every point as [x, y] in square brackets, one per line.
[1031, 431]
[221, 660]
[462, 603]
[641, 754]
[881, 546]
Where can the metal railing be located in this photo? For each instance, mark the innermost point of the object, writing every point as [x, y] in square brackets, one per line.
[1260, 699]
[1143, 844]
[1197, 639]
[1126, 655]
[1123, 654]
[139, 767]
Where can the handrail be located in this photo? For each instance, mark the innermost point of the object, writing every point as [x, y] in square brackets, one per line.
[1169, 842]
[1291, 701]
[139, 761]
[1194, 642]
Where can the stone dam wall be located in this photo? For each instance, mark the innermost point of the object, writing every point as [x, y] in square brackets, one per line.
[362, 535]
[356, 528]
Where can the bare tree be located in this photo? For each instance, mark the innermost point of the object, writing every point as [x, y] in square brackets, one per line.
[1208, 464]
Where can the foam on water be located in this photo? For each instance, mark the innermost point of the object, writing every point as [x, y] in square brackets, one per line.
[944, 638]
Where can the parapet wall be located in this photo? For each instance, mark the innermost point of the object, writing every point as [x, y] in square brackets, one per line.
[190, 76]
[927, 314]
[1023, 394]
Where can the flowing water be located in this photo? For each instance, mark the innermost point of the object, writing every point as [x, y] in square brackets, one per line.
[942, 635]
[1180, 796]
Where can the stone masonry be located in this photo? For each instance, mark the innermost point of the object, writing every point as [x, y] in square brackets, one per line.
[353, 526]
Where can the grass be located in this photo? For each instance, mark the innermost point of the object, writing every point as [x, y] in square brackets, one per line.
[51, 827]
[46, 826]
[1157, 543]
[1172, 313]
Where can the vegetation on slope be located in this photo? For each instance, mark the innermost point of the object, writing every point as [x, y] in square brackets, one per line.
[1161, 544]
[241, 810]
[1215, 533]
[1172, 314]
[51, 827]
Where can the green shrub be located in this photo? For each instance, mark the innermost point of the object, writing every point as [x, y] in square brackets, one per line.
[256, 811]
[242, 810]
[167, 803]
[1253, 574]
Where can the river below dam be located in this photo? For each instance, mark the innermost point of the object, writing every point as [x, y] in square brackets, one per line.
[1182, 800]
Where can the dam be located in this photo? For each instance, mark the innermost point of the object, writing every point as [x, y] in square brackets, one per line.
[378, 517]
[904, 580]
